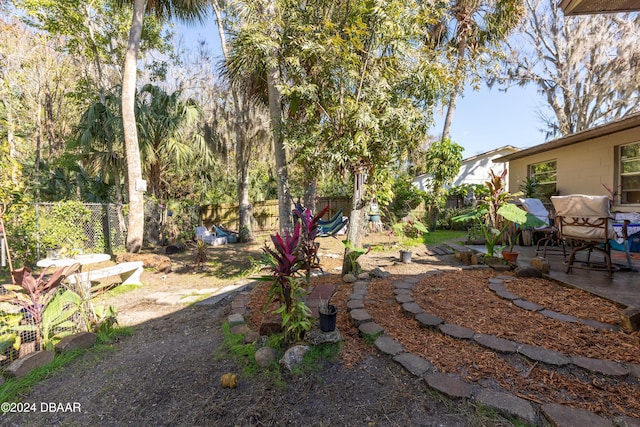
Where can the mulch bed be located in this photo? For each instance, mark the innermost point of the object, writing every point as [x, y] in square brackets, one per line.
[463, 298]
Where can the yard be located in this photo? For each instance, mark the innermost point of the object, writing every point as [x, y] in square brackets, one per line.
[169, 371]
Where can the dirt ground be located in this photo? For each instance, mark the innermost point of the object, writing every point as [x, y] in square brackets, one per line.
[168, 372]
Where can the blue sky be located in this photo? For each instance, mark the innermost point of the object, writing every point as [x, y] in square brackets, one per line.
[483, 120]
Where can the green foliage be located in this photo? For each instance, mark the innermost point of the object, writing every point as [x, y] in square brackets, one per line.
[495, 214]
[353, 253]
[406, 197]
[529, 187]
[64, 226]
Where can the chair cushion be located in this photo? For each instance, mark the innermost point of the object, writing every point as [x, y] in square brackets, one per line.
[590, 208]
[536, 208]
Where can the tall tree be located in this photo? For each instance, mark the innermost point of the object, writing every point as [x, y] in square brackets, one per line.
[477, 28]
[187, 10]
[585, 66]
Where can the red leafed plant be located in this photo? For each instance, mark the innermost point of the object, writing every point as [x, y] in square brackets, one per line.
[33, 294]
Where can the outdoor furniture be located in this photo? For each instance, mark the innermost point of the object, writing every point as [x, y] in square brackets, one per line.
[585, 222]
[550, 242]
[208, 237]
[82, 259]
[129, 273]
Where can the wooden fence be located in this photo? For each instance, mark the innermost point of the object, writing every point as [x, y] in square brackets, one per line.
[265, 214]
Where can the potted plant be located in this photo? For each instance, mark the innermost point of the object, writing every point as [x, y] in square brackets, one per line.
[328, 314]
[409, 229]
[520, 219]
[495, 215]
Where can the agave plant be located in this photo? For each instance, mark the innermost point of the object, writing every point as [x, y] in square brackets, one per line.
[34, 294]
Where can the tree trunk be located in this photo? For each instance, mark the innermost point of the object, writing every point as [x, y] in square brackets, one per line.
[243, 145]
[311, 190]
[135, 229]
[356, 220]
[275, 113]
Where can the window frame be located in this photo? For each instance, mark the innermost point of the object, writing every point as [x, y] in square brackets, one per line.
[620, 174]
[532, 174]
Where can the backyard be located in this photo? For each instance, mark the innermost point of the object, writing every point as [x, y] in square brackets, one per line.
[168, 372]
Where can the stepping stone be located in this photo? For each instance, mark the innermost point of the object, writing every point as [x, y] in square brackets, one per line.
[634, 369]
[360, 287]
[544, 355]
[235, 319]
[457, 331]
[449, 385]
[412, 307]
[413, 279]
[504, 277]
[508, 405]
[388, 345]
[559, 316]
[414, 364]
[402, 291]
[402, 284]
[371, 328]
[507, 295]
[598, 325]
[497, 286]
[355, 303]
[500, 345]
[528, 305]
[360, 316]
[495, 281]
[564, 416]
[428, 320]
[401, 299]
[605, 367]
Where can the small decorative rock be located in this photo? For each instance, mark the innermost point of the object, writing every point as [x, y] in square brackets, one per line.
[265, 356]
[541, 264]
[75, 341]
[363, 276]
[528, 272]
[294, 356]
[316, 336]
[631, 319]
[24, 365]
[349, 278]
[378, 273]
[271, 325]
[235, 319]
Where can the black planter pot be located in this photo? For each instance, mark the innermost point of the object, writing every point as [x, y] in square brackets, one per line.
[328, 321]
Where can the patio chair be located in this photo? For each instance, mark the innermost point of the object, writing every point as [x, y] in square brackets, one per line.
[549, 242]
[585, 222]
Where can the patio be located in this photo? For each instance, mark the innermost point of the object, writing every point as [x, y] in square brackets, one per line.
[624, 288]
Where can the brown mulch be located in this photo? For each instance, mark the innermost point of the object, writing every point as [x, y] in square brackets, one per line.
[463, 298]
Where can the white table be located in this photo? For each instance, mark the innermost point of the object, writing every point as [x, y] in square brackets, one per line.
[82, 259]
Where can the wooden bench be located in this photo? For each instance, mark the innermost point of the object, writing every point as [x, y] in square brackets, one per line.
[129, 273]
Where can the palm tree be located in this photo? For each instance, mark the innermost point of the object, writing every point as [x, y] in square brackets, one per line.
[185, 10]
[478, 26]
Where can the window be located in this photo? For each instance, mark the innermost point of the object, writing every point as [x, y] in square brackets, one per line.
[544, 174]
[629, 178]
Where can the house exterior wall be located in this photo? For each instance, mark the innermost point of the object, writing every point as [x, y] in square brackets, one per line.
[474, 170]
[582, 168]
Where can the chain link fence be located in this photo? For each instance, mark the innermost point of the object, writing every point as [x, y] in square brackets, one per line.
[90, 227]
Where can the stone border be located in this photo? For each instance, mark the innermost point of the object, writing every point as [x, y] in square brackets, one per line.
[496, 284]
[452, 386]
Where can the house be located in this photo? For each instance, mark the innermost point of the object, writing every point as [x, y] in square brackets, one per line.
[585, 162]
[583, 7]
[474, 170]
